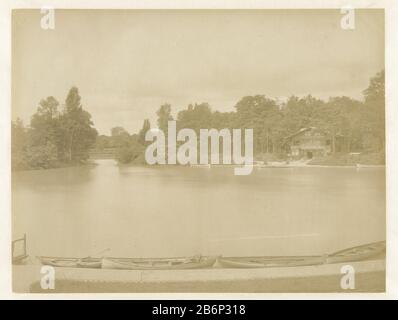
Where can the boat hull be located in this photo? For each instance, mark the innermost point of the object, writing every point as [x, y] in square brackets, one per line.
[358, 253]
[158, 264]
[71, 262]
[269, 262]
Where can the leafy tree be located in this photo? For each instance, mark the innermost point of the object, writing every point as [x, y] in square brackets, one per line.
[131, 152]
[164, 115]
[77, 128]
[18, 145]
[42, 156]
[119, 131]
[375, 92]
[141, 135]
[54, 138]
[301, 113]
[221, 120]
[261, 114]
[103, 142]
[340, 117]
[45, 127]
[120, 137]
[196, 117]
[373, 117]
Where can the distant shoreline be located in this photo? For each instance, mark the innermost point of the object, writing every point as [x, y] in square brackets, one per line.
[92, 163]
[59, 166]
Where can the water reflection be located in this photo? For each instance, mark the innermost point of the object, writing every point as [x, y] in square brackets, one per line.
[166, 211]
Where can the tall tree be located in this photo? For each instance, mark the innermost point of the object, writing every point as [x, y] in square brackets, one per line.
[373, 119]
[261, 114]
[164, 115]
[145, 128]
[79, 134]
[196, 117]
[340, 117]
[45, 126]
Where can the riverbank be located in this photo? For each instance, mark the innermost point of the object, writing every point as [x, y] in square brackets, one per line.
[271, 161]
[349, 159]
[369, 277]
[59, 165]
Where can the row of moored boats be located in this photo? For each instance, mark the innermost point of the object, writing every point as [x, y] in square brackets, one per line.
[358, 253]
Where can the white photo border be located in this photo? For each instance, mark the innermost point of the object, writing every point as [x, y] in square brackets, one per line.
[391, 66]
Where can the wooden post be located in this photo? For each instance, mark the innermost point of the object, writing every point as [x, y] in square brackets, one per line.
[21, 256]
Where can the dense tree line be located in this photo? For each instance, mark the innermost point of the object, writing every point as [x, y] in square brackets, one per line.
[54, 137]
[57, 137]
[359, 124]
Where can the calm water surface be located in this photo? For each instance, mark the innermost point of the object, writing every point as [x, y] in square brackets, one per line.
[173, 211]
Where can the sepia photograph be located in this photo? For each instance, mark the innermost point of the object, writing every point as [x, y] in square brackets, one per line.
[198, 150]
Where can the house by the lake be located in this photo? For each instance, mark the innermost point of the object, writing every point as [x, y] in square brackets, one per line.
[308, 143]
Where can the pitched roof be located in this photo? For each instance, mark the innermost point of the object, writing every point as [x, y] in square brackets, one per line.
[298, 132]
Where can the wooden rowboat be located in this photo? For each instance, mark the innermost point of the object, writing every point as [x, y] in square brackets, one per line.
[270, 262]
[71, 262]
[358, 253]
[158, 263]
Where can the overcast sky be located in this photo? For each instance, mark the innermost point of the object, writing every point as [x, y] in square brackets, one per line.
[127, 63]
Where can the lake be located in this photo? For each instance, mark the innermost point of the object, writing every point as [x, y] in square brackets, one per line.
[177, 211]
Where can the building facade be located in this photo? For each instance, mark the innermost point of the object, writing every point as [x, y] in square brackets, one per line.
[308, 143]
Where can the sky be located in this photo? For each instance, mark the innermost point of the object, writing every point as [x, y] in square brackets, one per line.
[126, 63]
